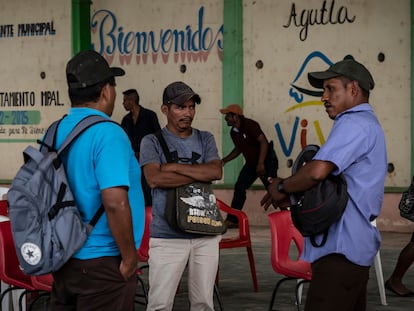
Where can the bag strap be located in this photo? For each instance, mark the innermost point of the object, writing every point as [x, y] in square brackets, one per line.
[97, 215]
[50, 140]
[324, 238]
[164, 146]
[83, 125]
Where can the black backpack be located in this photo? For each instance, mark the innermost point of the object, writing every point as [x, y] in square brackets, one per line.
[316, 209]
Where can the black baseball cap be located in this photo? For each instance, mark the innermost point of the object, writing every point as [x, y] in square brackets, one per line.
[88, 68]
[349, 68]
[178, 93]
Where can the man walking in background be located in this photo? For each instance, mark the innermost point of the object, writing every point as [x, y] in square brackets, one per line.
[260, 159]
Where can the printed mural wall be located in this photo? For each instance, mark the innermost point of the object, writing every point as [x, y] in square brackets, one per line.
[283, 40]
[35, 43]
[158, 42]
[292, 38]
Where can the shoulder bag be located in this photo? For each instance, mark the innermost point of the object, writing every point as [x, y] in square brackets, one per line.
[406, 205]
[192, 208]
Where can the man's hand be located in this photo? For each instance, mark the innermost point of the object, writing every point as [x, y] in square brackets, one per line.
[266, 201]
[260, 170]
[128, 268]
[274, 197]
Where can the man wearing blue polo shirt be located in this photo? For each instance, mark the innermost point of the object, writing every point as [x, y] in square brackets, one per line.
[355, 147]
[102, 170]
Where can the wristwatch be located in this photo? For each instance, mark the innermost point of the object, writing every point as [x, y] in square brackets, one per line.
[281, 188]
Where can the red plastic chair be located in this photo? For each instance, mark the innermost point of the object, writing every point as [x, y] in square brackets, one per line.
[42, 283]
[10, 272]
[242, 240]
[143, 255]
[143, 251]
[4, 208]
[284, 235]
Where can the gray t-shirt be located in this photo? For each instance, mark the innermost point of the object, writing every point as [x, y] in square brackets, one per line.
[199, 147]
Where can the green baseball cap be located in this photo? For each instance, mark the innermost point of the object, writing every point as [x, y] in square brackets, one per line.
[349, 68]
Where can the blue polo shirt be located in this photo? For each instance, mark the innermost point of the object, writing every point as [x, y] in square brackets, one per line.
[101, 158]
[356, 145]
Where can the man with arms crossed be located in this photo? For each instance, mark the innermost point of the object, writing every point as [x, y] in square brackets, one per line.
[171, 251]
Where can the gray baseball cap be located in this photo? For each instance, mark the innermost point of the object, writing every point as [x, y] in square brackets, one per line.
[178, 93]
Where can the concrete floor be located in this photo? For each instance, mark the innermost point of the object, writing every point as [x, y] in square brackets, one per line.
[237, 290]
[236, 287]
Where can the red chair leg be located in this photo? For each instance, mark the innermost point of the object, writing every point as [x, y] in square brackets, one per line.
[252, 268]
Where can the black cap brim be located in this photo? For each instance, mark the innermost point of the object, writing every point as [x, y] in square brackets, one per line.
[316, 78]
[117, 72]
[183, 98]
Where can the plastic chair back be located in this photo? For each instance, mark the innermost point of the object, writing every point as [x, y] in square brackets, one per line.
[42, 282]
[4, 208]
[241, 240]
[244, 229]
[283, 235]
[143, 256]
[143, 251]
[10, 272]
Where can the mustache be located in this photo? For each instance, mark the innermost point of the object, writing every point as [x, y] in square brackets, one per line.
[186, 119]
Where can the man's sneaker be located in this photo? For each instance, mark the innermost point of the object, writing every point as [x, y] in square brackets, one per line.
[230, 224]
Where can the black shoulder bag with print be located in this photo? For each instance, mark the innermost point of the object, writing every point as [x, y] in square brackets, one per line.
[192, 208]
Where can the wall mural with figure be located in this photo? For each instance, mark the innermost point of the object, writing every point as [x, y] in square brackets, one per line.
[291, 38]
[298, 93]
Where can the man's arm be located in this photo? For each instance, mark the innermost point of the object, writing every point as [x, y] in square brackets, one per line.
[198, 172]
[232, 155]
[118, 213]
[264, 144]
[306, 177]
[171, 175]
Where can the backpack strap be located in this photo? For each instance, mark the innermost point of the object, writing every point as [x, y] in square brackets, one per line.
[97, 215]
[83, 125]
[50, 140]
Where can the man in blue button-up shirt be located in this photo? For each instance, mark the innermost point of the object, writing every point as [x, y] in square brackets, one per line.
[355, 147]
